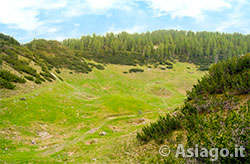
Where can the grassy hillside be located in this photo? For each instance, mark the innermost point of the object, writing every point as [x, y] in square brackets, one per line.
[34, 61]
[215, 115]
[61, 121]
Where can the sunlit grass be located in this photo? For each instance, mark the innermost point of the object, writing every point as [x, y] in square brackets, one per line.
[67, 110]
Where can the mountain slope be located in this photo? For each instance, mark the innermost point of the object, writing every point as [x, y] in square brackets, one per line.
[35, 60]
[212, 116]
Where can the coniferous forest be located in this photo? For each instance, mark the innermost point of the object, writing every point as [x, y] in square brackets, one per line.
[201, 48]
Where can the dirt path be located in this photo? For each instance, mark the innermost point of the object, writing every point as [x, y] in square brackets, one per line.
[91, 131]
[74, 141]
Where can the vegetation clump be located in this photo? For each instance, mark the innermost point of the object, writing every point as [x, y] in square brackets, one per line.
[157, 131]
[134, 70]
[169, 67]
[97, 66]
[6, 79]
[30, 78]
[58, 71]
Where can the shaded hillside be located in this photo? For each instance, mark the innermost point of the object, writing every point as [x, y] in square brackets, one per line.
[16, 62]
[212, 116]
[53, 54]
[35, 60]
[201, 48]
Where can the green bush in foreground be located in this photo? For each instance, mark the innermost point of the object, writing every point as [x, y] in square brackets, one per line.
[211, 117]
[157, 131]
[230, 76]
[221, 130]
[215, 130]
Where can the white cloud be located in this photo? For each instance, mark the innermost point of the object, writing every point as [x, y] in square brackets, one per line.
[237, 18]
[96, 5]
[234, 20]
[24, 14]
[189, 8]
[58, 38]
[131, 30]
[43, 17]
[80, 7]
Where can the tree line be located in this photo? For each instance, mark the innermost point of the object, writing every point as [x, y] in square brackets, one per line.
[201, 48]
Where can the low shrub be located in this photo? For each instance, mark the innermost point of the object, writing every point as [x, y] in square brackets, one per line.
[169, 67]
[8, 76]
[60, 78]
[6, 84]
[135, 70]
[58, 71]
[30, 78]
[158, 130]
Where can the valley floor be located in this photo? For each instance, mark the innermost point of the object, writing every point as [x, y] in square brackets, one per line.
[62, 121]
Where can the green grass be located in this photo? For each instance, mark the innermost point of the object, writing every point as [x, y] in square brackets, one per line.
[71, 111]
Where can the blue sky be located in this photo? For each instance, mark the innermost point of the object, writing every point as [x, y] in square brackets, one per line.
[60, 19]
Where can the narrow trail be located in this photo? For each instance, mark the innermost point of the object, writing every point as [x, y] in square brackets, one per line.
[91, 131]
[74, 141]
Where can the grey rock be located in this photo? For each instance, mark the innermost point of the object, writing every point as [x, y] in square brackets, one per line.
[142, 120]
[43, 134]
[102, 134]
[33, 142]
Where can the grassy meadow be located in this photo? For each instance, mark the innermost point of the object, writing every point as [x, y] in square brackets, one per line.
[61, 121]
